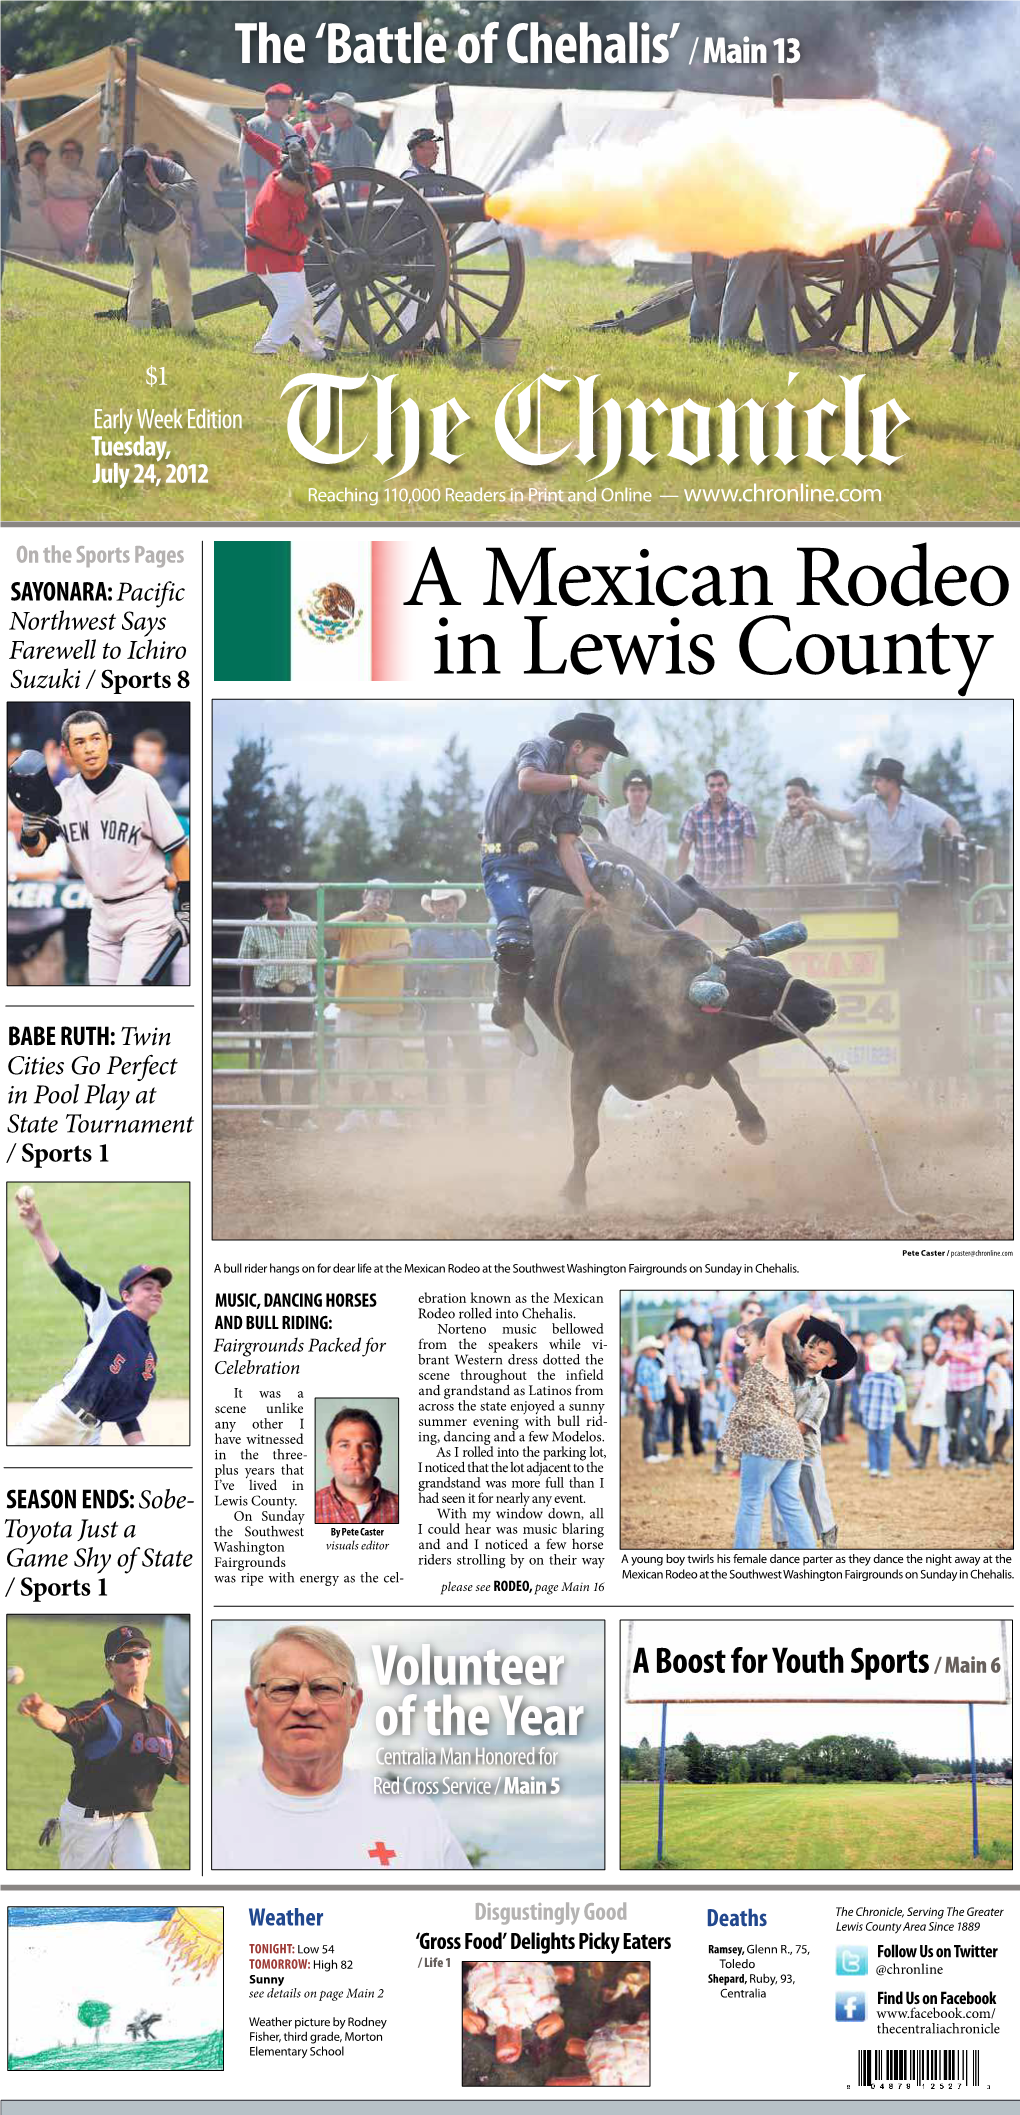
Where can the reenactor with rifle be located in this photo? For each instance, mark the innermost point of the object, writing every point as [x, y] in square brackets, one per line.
[981, 215]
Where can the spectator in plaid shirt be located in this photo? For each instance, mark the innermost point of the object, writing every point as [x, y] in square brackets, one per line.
[964, 1348]
[882, 1395]
[354, 1496]
[722, 832]
[805, 845]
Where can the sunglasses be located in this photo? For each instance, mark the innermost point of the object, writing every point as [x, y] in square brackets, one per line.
[125, 1659]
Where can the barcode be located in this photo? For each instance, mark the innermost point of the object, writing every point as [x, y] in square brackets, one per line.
[918, 2067]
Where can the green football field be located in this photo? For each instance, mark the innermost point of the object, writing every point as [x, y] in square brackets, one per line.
[816, 1828]
[63, 1659]
[102, 1229]
[61, 366]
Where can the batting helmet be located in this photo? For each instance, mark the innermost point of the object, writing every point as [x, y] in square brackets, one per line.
[30, 787]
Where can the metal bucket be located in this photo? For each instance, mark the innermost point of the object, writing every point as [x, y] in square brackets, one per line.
[500, 352]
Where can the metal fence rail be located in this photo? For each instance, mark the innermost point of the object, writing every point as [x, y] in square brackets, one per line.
[989, 938]
[329, 1064]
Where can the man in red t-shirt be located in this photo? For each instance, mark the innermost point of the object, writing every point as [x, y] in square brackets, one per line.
[983, 260]
[275, 243]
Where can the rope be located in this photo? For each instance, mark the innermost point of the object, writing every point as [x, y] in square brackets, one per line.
[561, 972]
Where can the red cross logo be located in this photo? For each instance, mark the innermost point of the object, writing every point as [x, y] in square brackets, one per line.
[379, 1850]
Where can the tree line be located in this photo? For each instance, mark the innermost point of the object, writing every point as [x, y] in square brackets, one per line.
[832, 1758]
[269, 825]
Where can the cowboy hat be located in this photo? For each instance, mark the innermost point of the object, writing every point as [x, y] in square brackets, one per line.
[890, 767]
[846, 1356]
[442, 893]
[647, 1344]
[881, 1357]
[594, 727]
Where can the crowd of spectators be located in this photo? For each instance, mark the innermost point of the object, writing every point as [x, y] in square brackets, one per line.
[951, 1380]
[718, 835]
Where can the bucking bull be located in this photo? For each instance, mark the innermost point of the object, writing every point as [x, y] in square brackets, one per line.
[644, 1009]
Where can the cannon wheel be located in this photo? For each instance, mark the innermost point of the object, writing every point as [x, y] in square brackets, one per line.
[389, 270]
[486, 274]
[905, 280]
[825, 293]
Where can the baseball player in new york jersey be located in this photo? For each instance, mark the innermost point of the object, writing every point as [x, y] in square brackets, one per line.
[120, 831]
[114, 1373]
[123, 1745]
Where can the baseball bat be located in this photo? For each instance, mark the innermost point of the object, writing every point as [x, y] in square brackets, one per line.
[164, 958]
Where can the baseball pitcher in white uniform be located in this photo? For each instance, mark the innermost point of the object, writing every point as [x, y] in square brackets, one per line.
[120, 832]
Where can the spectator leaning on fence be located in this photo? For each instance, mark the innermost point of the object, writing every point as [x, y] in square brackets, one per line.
[720, 832]
[278, 953]
[450, 987]
[373, 944]
[638, 827]
[895, 820]
[805, 845]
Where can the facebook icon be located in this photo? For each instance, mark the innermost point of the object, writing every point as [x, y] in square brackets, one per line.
[851, 2006]
[851, 1960]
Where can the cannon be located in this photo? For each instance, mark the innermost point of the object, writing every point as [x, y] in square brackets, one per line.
[404, 268]
[887, 294]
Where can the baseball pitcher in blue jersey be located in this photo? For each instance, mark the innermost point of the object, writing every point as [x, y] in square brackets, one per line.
[114, 1373]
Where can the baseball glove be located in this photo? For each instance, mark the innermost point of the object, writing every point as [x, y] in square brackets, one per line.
[50, 1830]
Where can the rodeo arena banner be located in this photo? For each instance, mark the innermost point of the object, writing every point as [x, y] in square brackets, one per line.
[511, 555]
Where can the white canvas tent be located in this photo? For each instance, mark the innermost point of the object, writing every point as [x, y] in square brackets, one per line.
[171, 107]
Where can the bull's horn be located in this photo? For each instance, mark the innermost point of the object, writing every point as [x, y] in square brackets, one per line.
[774, 942]
[708, 991]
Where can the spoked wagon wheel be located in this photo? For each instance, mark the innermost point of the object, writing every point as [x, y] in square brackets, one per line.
[824, 294]
[486, 274]
[384, 257]
[905, 280]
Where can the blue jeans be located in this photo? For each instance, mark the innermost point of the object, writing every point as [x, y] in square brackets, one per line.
[508, 876]
[879, 1449]
[760, 1474]
[900, 1432]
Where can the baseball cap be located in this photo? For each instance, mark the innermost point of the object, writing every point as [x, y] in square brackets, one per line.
[379, 886]
[144, 1270]
[126, 1634]
[637, 778]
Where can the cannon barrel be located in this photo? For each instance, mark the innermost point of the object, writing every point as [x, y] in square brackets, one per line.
[454, 211]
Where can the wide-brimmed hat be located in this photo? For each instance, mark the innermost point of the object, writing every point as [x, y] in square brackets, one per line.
[36, 147]
[647, 1344]
[846, 1356]
[340, 101]
[890, 767]
[1000, 1344]
[682, 1322]
[419, 137]
[881, 1357]
[442, 894]
[590, 727]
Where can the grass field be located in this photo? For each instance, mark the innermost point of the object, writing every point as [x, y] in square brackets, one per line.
[816, 1828]
[959, 451]
[102, 1230]
[202, 2053]
[63, 1659]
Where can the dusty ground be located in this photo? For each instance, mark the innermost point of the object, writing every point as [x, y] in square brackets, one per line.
[678, 1171]
[165, 1424]
[683, 1506]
